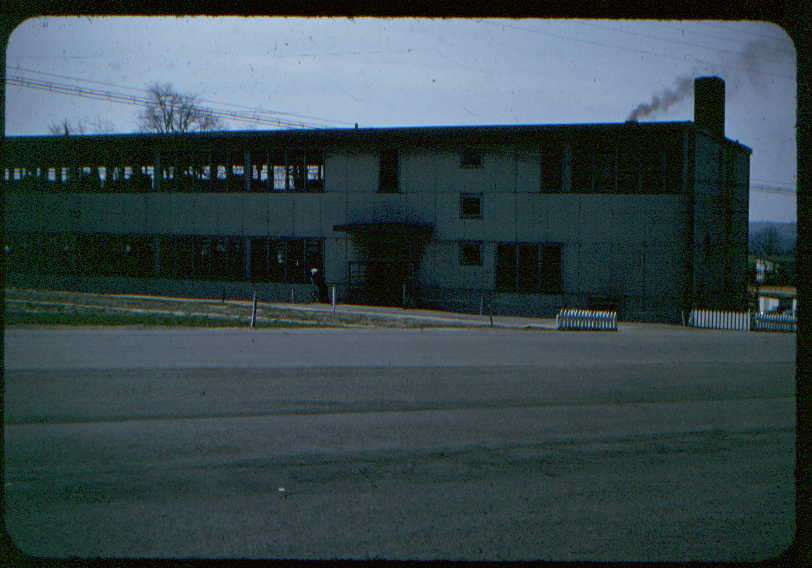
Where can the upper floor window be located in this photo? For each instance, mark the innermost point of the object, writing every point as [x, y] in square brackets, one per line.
[471, 206]
[388, 181]
[471, 158]
[551, 164]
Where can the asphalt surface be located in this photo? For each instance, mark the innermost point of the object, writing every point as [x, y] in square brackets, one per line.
[654, 443]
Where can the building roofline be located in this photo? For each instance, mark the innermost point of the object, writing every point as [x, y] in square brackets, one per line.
[340, 134]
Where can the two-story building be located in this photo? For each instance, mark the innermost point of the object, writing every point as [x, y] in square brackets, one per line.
[651, 218]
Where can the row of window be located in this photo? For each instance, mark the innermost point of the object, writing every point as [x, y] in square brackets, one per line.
[169, 256]
[520, 267]
[594, 168]
[203, 172]
[627, 168]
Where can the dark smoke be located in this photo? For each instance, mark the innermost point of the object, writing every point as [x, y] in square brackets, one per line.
[748, 63]
[662, 101]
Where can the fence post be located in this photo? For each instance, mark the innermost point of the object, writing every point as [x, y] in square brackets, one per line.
[254, 310]
[334, 298]
[292, 297]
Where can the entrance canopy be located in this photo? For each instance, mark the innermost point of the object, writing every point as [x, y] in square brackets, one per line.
[405, 229]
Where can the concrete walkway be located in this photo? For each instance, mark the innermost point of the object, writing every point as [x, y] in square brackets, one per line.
[470, 320]
[433, 316]
[428, 316]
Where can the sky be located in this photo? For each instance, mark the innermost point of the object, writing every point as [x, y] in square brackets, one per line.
[335, 72]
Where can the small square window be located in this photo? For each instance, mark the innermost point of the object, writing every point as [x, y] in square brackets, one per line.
[471, 206]
[471, 158]
[471, 254]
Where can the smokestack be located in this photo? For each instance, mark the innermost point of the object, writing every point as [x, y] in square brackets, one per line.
[709, 105]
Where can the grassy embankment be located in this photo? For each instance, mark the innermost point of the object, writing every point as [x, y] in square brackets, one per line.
[50, 307]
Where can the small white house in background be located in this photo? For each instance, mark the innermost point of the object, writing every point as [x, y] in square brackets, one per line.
[777, 299]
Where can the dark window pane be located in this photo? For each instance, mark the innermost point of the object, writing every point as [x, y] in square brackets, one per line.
[236, 259]
[471, 158]
[278, 261]
[528, 268]
[551, 268]
[313, 253]
[471, 254]
[551, 160]
[296, 262]
[582, 156]
[628, 168]
[506, 267]
[470, 206]
[651, 170]
[605, 171]
[259, 260]
[389, 171]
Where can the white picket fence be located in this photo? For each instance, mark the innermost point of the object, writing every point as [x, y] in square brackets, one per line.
[742, 321]
[714, 319]
[577, 319]
[775, 322]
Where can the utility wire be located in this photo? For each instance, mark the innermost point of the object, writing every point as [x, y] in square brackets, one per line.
[136, 100]
[141, 90]
[631, 49]
[663, 39]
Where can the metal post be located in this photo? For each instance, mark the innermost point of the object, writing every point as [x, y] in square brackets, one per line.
[481, 304]
[334, 298]
[254, 310]
[404, 294]
[490, 311]
[292, 297]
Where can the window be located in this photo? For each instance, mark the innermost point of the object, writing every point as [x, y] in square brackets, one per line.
[605, 162]
[581, 166]
[471, 206]
[628, 168]
[551, 268]
[285, 260]
[388, 177]
[551, 162]
[314, 178]
[471, 158]
[471, 254]
[652, 162]
[528, 268]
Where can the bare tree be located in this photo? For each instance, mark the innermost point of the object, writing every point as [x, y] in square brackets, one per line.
[66, 128]
[172, 112]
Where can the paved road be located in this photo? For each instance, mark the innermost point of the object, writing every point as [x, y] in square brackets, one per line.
[653, 443]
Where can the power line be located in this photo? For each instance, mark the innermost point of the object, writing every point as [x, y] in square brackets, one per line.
[738, 30]
[789, 184]
[657, 38]
[141, 90]
[772, 189]
[631, 49]
[135, 100]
